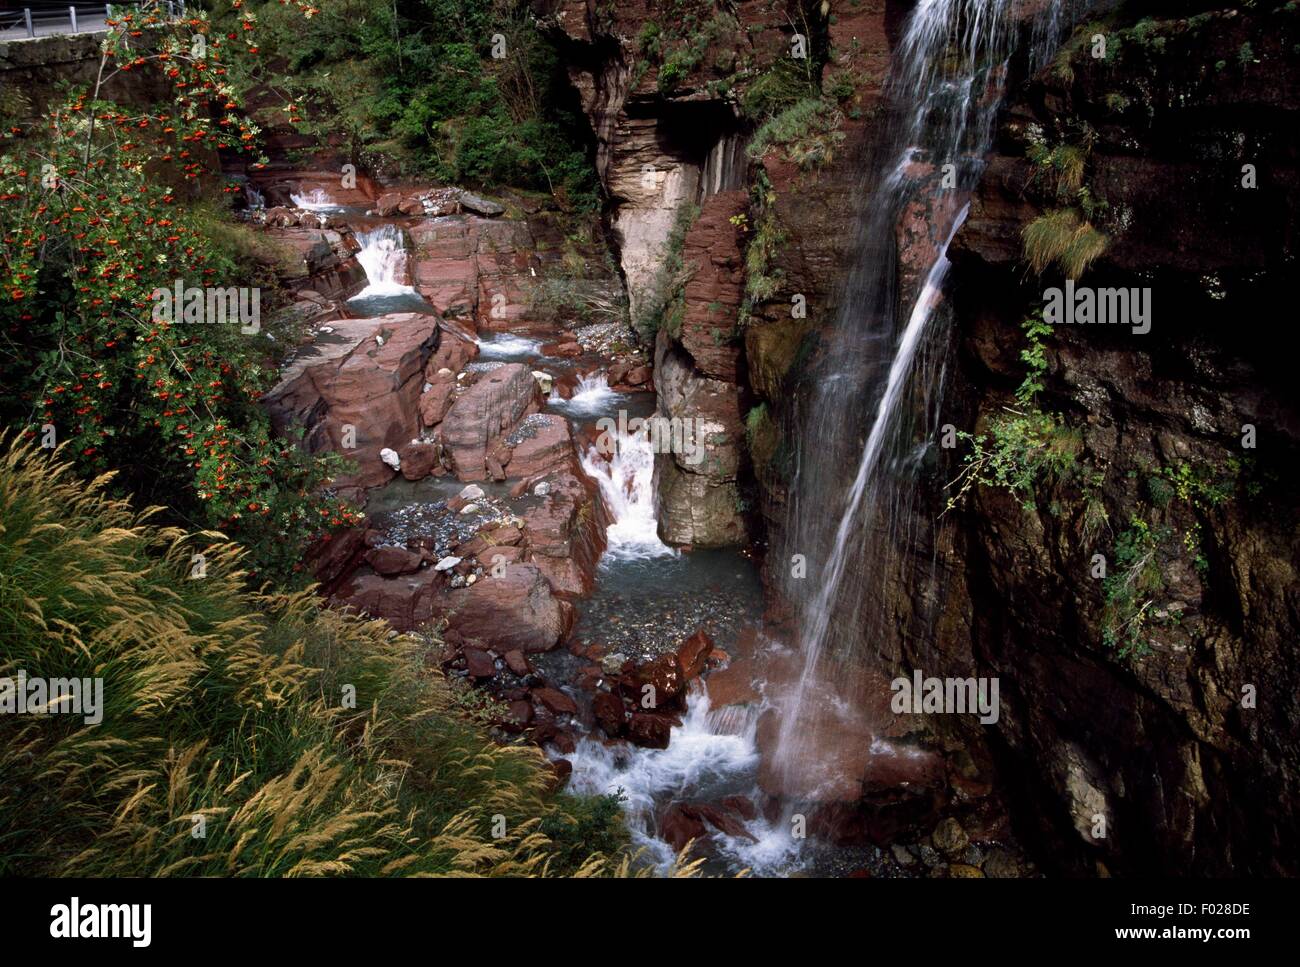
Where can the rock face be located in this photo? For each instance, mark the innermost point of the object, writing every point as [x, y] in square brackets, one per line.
[354, 390]
[1193, 777]
[1138, 709]
[489, 408]
[699, 500]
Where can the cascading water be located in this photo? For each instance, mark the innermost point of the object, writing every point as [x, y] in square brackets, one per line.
[591, 397]
[383, 258]
[316, 200]
[876, 375]
[627, 487]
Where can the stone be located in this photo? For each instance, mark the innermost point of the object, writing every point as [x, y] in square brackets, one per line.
[479, 663]
[517, 662]
[555, 701]
[390, 560]
[417, 459]
[515, 611]
[480, 205]
[609, 713]
[949, 838]
[447, 563]
[484, 412]
[693, 653]
[649, 730]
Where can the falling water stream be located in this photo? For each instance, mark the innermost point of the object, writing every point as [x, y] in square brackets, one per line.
[863, 427]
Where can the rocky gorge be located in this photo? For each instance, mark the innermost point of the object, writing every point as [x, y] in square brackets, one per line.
[895, 471]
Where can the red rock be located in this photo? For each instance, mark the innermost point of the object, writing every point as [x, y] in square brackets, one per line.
[479, 663]
[548, 448]
[638, 376]
[387, 205]
[357, 385]
[334, 556]
[609, 712]
[519, 714]
[556, 701]
[649, 730]
[391, 560]
[662, 675]
[484, 412]
[562, 768]
[693, 654]
[680, 825]
[418, 460]
[436, 400]
[497, 555]
[407, 601]
[517, 662]
[732, 686]
[514, 611]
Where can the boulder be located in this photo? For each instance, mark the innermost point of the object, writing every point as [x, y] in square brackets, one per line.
[484, 412]
[515, 611]
[549, 447]
[418, 459]
[556, 701]
[609, 712]
[391, 561]
[650, 730]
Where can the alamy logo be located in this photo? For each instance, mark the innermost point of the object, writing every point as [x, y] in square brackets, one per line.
[955, 696]
[73, 921]
[685, 437]
[209, 305]
[1086, 306]
[22, 695]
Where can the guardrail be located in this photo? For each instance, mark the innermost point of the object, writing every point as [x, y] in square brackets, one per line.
[77, 18]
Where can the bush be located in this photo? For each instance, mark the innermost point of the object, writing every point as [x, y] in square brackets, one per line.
[223, 712]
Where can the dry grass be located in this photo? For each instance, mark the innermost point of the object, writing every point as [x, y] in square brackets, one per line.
[222, 708]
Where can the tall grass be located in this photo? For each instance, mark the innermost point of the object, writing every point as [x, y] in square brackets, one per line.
[224, 715]
[1063, 238]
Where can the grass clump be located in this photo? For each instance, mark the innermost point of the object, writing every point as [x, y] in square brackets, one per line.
[228, 745]
[1062, 237]
[808, 130]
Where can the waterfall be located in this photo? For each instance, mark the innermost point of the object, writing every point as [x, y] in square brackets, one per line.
[315, 200]
[881, 361]
[591, 397]
[627, 486]
[383, 258]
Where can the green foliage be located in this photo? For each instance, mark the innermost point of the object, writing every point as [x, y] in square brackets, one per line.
[1023, 444]
[227, 707]
[777, 89]
[94, 217]
[1065, 239]
[1130, 587]
[808, 130]
[416, 85]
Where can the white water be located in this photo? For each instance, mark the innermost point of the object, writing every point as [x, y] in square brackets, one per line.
[591, 397]
[709, 756]
[384, 260]
[627, 486]
[316, 200]
[506, 345]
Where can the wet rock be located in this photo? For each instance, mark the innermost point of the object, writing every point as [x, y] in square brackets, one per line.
[388, 204]
[609, 712]
[902, 855]
[964, 872]
[649, 730]
[693, 654]
[1002, 865]
[658, 682]
[949, 838]
[555, 701]
[679, 825]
